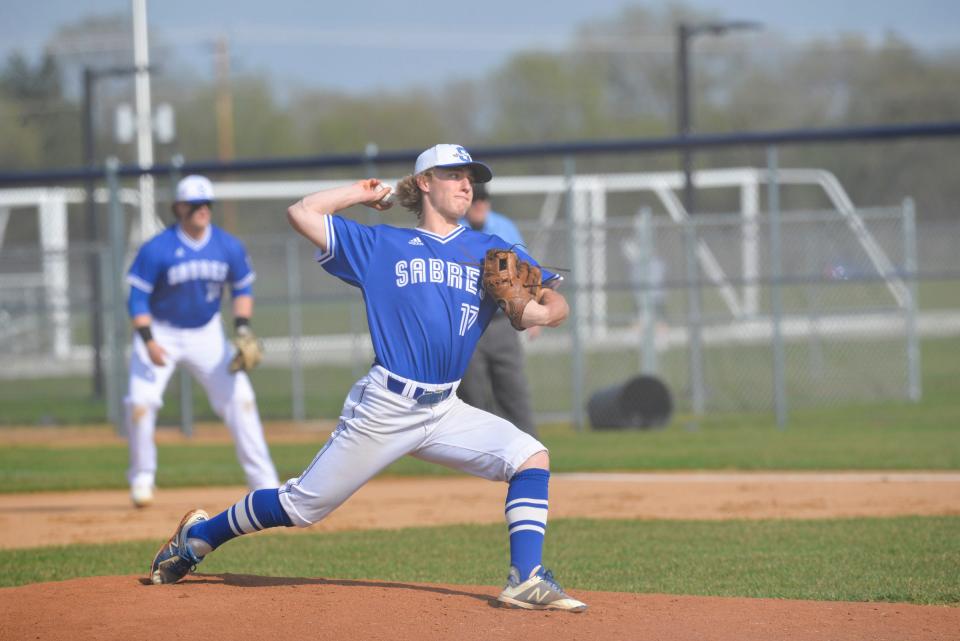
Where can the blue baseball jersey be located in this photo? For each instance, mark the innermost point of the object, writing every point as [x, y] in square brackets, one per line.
[426, 307]
[180, 280]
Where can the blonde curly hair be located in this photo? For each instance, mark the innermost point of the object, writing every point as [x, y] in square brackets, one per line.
[408, 192]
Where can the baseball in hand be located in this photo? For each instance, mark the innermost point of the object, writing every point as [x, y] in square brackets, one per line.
[389, 197]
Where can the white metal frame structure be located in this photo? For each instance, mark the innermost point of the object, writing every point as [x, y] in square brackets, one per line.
[588, 210]
[51, 204]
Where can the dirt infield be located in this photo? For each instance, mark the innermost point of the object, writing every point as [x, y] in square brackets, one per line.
[229, 606]
[29, 520]
[221, 607]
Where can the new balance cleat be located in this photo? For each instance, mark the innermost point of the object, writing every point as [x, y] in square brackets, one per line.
[175, 559]
[539, 592]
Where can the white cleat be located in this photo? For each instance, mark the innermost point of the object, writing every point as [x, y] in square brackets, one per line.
[141, 494]
[539, 592]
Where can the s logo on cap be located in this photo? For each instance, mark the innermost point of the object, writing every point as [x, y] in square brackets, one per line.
[195, 189]
[449, 155]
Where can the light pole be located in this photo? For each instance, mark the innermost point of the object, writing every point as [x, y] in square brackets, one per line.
[149, 224]
[685, 32]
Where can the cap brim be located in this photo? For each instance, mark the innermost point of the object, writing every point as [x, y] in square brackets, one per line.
[481, 173]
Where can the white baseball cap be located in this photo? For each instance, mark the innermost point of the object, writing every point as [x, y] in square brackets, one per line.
[194, 189]
[452, 156]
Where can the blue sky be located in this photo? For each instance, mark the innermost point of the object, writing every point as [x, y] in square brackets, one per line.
[380, 44]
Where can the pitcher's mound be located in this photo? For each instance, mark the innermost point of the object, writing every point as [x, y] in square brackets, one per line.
[232, 606]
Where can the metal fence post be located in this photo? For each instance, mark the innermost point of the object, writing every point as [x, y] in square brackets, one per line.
[776, 293]
[104, 262]
[648, 316]
[295, 311]
[914, 379]
[186, 382]
[117, 337]
[576, 313]
[694, 319]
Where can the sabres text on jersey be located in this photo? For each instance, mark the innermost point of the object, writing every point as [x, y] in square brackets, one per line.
[214, 270]
[437, 271]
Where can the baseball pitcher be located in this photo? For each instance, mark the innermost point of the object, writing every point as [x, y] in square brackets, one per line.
[430, 293]
[176, 282]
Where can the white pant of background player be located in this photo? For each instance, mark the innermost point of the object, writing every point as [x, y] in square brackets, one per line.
[206, 353]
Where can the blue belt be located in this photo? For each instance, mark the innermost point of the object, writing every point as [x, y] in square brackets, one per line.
[420, 395]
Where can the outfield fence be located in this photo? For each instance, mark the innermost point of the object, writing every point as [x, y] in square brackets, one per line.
[708, 304]
[751, 307]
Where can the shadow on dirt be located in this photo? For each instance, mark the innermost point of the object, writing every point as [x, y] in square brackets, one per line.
[254, 581]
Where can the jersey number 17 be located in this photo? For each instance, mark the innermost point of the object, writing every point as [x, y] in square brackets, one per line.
[468, 316]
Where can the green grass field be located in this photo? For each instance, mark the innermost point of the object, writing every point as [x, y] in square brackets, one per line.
[899, 559]
[816, 443]
[908, 559]
[894, 435]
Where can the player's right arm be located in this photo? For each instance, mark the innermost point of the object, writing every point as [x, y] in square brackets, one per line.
[306, 215]
[550, 311]
[552, 308]
[142, 276]
[141, 325]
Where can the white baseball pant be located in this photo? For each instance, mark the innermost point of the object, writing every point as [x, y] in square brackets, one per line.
[206, 353]
[378, 426]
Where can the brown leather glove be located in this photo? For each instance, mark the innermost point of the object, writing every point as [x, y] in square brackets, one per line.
[511, 282]
[249, 350]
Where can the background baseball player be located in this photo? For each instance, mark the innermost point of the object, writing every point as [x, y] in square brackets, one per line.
[426, 309]
[176, 283]
[495, 380]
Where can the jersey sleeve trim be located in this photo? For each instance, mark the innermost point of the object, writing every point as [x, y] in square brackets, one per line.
[324, 256]
[139, 283]
[246, 281]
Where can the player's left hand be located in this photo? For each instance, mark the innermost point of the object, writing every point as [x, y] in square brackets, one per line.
[511, 282]
[249, 351]
[376, 194]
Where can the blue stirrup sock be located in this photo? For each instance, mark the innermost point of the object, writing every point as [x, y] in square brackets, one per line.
[526, 513]
[256, 511]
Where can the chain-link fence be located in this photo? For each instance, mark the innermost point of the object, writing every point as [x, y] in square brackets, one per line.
[753, 310]
[679, 306]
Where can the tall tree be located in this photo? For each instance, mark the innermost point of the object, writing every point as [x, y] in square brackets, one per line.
[37, 118]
